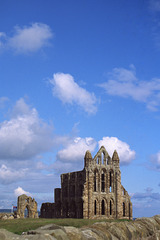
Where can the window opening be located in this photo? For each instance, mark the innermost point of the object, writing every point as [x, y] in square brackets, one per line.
[103, 183]
[123, 209]
[95, 207]
[95, 184]
[110, 207]
[26, 212]
[97, 160]
[103, 207]
[102, 157]
[110, 179]
[110, 182]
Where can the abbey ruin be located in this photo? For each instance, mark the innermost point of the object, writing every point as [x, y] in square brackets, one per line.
[95, 192]
[25, 202]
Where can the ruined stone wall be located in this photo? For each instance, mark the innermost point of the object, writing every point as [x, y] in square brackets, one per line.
[25, 202]
[72, 185]
[103, 196]
[47, 210]
[95, 192]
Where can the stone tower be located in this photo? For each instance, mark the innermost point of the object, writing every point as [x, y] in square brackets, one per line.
[93, 193]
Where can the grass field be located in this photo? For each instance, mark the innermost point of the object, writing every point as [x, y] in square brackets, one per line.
[22, 225]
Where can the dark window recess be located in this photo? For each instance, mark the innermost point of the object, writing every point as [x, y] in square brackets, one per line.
[95, 207]
[110, 208]
[103, 183]
[103, 207]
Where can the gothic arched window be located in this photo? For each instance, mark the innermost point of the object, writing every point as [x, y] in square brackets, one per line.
[103, 207]
[102, 183]
[110, 207]
[123, 209]
[95, 207]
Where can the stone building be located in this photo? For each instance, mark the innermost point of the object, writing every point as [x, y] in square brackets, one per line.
[95, 192]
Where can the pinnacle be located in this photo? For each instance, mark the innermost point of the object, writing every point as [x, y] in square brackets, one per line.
[115, 156]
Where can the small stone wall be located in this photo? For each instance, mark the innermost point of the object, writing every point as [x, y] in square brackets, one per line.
[5, 216]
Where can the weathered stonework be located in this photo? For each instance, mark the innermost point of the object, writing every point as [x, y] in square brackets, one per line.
[95, 192]
[24, 202]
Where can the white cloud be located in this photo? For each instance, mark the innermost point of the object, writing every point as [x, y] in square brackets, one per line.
[74, 151]
[71, 157]
[126, 155]
[124, 83]
[68, 91]
[19, 191]
[28, 38]
[10, 175]
[25, 135]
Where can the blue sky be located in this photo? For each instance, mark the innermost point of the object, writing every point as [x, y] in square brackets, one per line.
[76, 75]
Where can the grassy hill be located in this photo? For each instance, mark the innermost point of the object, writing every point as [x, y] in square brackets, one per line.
[22, 225]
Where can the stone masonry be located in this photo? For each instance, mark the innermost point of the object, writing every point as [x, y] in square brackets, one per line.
[93, 193]
[25, 202]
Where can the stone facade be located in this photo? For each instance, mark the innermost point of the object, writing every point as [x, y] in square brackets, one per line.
[25, 202]
[93, 193]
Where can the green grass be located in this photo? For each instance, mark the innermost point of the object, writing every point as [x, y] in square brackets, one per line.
[22, 225]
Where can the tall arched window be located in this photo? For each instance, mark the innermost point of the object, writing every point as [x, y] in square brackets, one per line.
[102, 183]
[97, 160]
[110, 207]
[123, 209]
[103, 207]
[102, 157]
[95, 182]
[129, 210]
[110, 181]
[95, 207]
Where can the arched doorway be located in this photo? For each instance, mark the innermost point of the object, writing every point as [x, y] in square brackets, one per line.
[26, 212]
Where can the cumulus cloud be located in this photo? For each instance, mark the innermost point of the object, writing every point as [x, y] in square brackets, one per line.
[72, 155]
[124, 83]
[25, 135]
[75, 150]
[19, 191]
[28, 38]
[126, 155]
[10, 175]
[68, 91]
